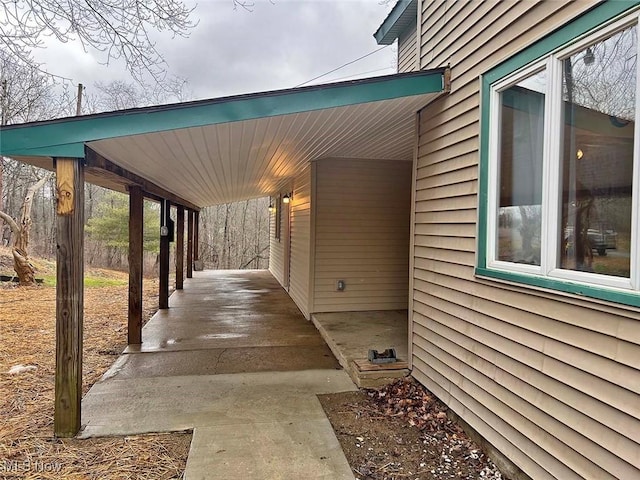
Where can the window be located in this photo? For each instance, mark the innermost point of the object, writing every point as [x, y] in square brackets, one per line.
[278, 214]
[560, 164]
[520, 146]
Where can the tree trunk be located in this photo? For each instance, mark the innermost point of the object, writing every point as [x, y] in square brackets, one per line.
[21, 264]
[226, 248]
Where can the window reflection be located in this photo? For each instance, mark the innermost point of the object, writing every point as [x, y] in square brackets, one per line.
[521, 152]
[597, 156]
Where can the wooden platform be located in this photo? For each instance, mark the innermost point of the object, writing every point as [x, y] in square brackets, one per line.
[373, 375]
[350, 335]
[364, 365]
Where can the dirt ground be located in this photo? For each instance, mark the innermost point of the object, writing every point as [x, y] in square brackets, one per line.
[402, 432]
[27, 331]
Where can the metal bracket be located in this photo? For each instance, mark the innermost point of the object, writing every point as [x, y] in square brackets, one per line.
[388, 356]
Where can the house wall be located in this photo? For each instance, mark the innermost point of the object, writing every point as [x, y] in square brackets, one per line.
[551, 380]
[278, 247]
[289, 256]
[362, 216]
[408, 50]
[300, 241]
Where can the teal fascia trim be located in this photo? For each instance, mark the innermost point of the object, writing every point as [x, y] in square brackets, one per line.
[590, 291]
[403, 14]
[589, 21]
[66, 137]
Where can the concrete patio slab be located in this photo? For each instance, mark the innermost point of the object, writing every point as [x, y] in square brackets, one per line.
[235, 361]
[225, 360]
[350, 335]
[249, 426]
[200, 334]
[142, 405]
[267, 451]
[228, 309]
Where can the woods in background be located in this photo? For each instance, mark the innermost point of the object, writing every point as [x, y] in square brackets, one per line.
[235, 235]
[232, 236]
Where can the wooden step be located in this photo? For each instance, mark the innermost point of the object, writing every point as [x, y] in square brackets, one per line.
[364, 365]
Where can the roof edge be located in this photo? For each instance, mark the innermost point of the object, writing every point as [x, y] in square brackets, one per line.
[402, 14]
[231, 98]
[66, 137]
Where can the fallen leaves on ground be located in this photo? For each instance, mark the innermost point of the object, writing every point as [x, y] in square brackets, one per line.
[403, 432]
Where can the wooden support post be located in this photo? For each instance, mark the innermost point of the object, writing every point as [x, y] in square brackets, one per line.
[69, 295]
[190, 244]
[196, 236]
[180, 249]
[136, 252]
[165, 210]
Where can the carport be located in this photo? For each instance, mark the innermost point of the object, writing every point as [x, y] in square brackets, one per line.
[227, 321]
[234, 361]
[195, 154]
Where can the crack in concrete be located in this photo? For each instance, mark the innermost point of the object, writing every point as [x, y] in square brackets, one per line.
[215, 367]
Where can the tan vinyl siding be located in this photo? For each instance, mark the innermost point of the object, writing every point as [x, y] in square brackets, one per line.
[362, 211]
[278, 247]
[550, 379]
[408, 50]
[300, 241]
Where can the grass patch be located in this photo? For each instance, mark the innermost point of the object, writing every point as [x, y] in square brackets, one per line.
[46, 270]
[92, 282]
[48, 280]
[89, 281]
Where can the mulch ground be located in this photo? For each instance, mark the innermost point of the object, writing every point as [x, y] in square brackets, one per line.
[28, 448]
[403, 432]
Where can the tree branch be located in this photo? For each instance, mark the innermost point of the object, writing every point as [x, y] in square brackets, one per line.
[11, 222]
[255, 257]
[116, 29]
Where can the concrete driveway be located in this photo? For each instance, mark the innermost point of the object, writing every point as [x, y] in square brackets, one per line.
[234, 360]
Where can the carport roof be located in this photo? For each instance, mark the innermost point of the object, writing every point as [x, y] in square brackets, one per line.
[233, 148]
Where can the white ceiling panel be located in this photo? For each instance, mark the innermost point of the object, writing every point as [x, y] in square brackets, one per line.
[228, 149]
[233, 161]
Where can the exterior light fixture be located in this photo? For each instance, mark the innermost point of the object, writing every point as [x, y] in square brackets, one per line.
[272, 209]
[579, 154]
[589, 57]
[287, 198]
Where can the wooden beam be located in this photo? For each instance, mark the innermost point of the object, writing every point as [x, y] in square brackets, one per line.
[165, 210]
[69, 296]
[97, 161]
[196, 236]
[190, 244]
[180, 248]
[136, 252]
[65, 191]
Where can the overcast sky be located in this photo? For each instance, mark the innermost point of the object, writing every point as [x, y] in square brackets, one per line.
[279, 44]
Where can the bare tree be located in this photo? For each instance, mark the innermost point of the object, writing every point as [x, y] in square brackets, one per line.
[25, 95]
[120, 95]
[235, 235]
[119, 30]
[21, 233]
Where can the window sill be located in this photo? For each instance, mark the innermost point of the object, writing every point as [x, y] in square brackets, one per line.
[610, 296]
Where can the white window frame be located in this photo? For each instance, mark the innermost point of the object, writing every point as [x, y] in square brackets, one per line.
[551, 172]
[494, 169]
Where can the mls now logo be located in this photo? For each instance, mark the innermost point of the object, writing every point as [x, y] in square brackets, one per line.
[15, 466]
